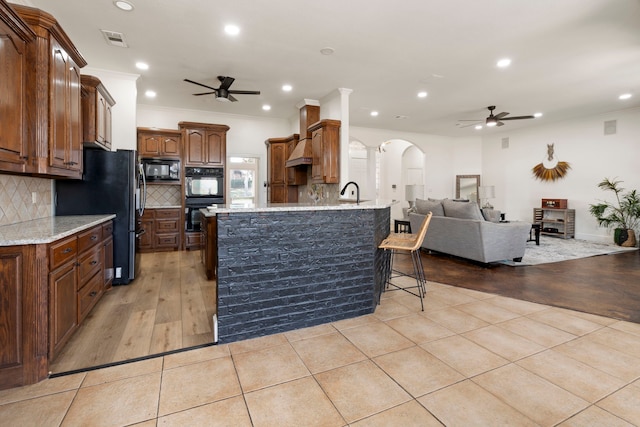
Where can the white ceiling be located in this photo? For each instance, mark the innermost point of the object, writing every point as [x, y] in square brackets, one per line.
[570, 58]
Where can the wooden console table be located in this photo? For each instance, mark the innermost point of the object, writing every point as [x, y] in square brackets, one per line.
[556, 222]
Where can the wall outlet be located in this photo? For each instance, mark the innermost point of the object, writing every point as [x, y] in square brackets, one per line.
[34, 197]
[118, 272]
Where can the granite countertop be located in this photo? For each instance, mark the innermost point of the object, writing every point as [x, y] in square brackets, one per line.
[49, 229]
[163, 207]
[345, 204]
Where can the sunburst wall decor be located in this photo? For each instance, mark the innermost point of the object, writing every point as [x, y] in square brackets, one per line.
[550, 169]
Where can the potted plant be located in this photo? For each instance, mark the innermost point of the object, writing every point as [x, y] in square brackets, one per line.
[623, 217]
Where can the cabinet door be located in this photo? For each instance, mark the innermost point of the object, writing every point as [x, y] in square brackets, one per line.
[148, 145]
[215, 149]
[195, 148]
[145, 241]
[101, 119]
[63, 308]
[12, 264]
[58, 129]
[170, 146]
[317, 168]
[13, 141]
[74, 118]
[277, 165]
[107, 126]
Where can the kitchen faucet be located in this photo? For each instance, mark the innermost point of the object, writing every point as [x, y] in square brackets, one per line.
[357, 191]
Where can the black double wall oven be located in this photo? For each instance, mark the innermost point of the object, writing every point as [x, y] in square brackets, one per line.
[203, 187]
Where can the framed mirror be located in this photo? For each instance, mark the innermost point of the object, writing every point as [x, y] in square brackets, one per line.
[467, 187]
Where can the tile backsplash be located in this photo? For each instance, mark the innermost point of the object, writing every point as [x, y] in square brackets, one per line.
[163, 195]
[17, 195]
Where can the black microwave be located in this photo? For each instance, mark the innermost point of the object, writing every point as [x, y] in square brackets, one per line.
[161, 170]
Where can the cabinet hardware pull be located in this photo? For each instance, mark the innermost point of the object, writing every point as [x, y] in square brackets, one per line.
[94, 262]
[94, 237]
[93, 294]
[67, 250]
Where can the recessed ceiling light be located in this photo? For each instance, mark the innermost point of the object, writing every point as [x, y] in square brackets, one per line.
[327, 50]
[123, 5]
[422, 94]
[503, 63]
[150, 94]
[625, 96]
[142, 65]
[232, 30]
[374, 113]
[266, 107]
[478, 127]
[287, 88]
[536, 115]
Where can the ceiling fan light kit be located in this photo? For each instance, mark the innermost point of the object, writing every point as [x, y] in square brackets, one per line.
[496, 120]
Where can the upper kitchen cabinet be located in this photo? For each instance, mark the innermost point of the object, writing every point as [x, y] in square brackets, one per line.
[14, 37]
[325, 140]
[53, 103]
[159, 143]
[96, 113]
[282, 181]
[204, 144]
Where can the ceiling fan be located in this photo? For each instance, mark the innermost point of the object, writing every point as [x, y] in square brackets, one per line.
[497, 119]
[223, 93]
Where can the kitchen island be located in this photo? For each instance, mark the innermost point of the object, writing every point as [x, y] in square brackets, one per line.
[287, 266]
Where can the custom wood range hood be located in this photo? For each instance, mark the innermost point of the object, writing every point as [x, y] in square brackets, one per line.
[302, 155]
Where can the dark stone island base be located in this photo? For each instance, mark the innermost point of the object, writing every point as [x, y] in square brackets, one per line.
[281, 270]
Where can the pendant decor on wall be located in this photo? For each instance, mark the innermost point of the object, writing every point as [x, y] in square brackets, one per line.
[550, 169]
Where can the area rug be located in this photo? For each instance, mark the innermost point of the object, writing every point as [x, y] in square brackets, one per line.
[552, 249]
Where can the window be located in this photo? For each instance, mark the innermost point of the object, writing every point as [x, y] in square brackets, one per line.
[243, 172]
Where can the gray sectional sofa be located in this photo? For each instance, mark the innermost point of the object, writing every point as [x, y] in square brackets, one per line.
[458, 228]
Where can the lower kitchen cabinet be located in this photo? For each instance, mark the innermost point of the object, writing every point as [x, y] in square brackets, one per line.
[209, 253]
[161, 230]
[47, 290]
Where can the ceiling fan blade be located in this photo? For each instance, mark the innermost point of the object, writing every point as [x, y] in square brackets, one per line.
[225, 82]
[199, 84]
[204, 93]
[501, 115]
[518, 118]
[469, 120]
[500, 124]
[470, 124]
[231, 98]
[245, 92]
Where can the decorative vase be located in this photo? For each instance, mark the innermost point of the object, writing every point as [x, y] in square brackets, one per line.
[626, 238]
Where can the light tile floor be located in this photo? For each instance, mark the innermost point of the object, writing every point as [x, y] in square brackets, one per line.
[469, 359]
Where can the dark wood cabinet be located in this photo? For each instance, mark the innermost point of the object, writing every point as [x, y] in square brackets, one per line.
[204, 144]
[159, 143]
[282, 181]
[325, 139]
[47, 290]
[161, 230]
[107, 261]
[14, 37]
[209, 254]
[97, 103]
[53, 101]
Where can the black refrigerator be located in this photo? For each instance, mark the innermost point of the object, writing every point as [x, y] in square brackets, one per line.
[112, 183]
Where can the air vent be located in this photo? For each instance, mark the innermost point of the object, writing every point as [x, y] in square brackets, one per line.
[114, 38]
[610, 127]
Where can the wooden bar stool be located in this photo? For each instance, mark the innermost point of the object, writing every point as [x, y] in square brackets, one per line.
[405, 244]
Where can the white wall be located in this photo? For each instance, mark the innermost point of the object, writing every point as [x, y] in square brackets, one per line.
[580, 142]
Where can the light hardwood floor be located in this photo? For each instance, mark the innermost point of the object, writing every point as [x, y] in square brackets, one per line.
[169, 307]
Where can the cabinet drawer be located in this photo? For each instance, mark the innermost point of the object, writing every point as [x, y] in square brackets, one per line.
[107, 229]
[88, 265]
[167, 240]
[89, 296]
[89, 238]
[62, 251]
[166, 225]
[167, 213]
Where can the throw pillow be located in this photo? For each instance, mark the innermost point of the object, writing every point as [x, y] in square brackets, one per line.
[469, 210]
[492, 215]
[425, 206]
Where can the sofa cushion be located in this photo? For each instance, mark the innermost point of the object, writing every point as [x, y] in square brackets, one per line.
[425, 206]
[462, 210]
